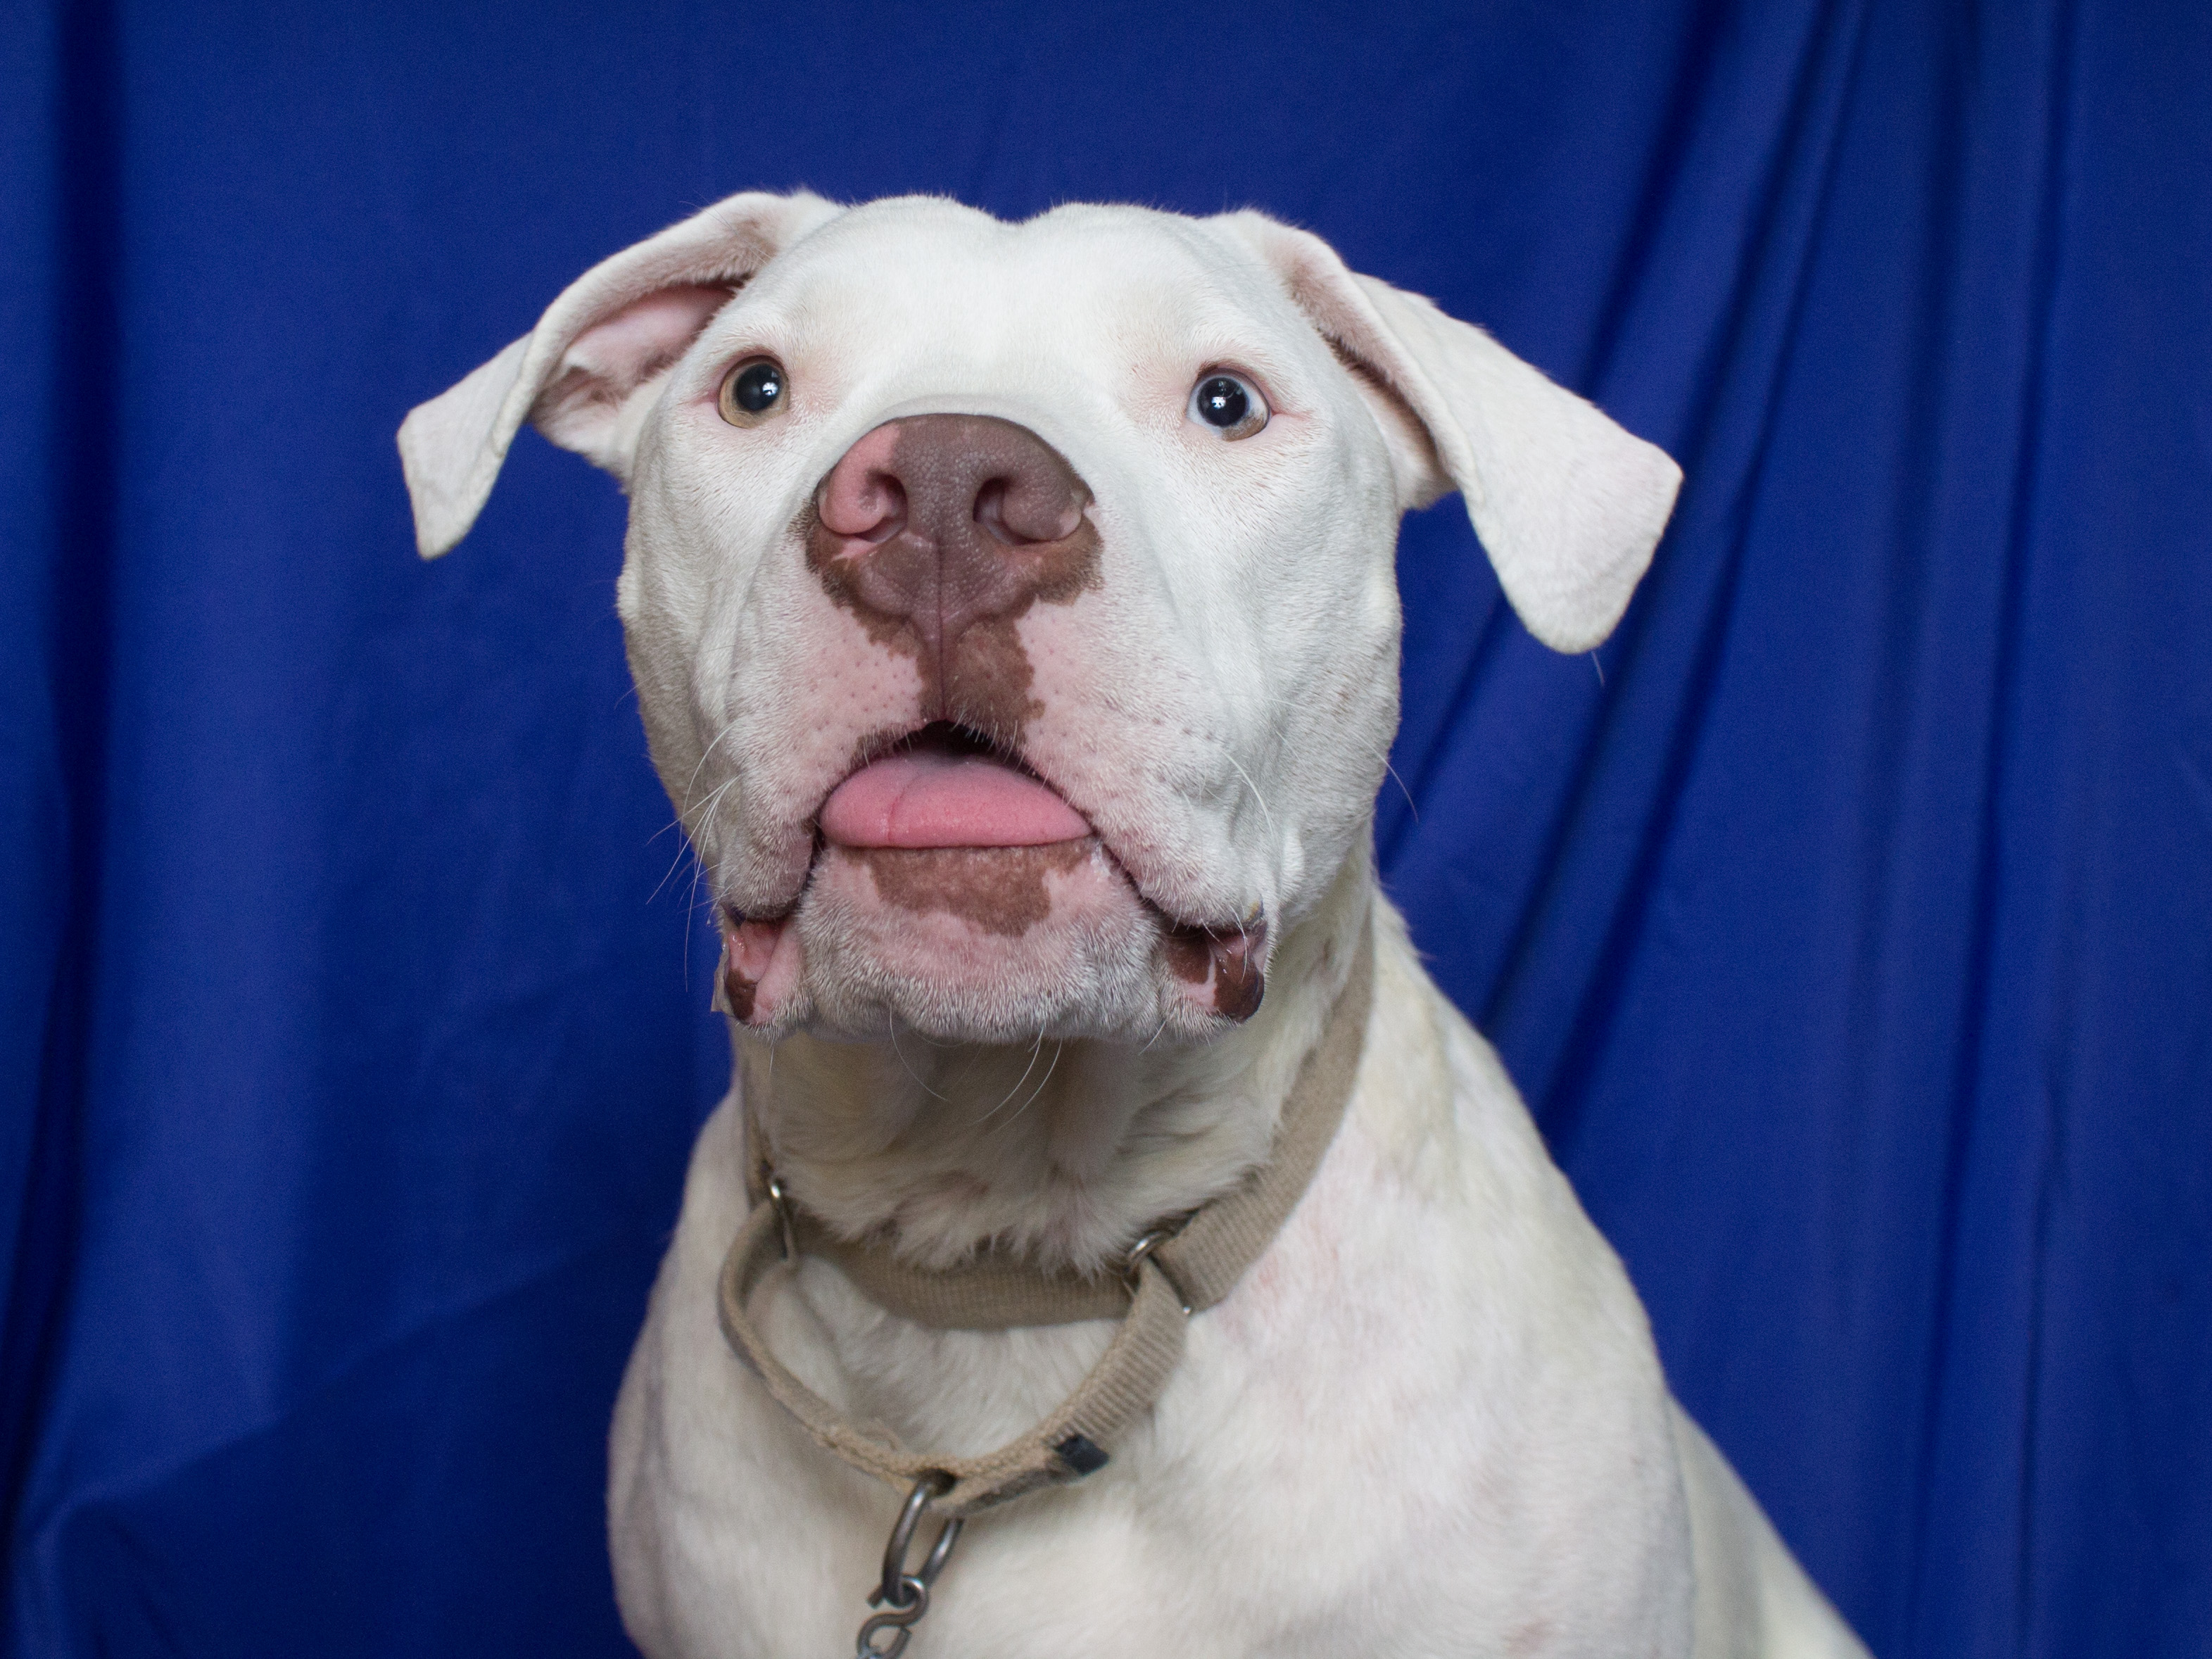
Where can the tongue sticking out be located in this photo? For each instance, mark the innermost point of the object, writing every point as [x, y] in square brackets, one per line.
[926, 798]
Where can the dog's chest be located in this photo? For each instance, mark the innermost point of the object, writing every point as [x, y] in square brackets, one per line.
[1411, 1430]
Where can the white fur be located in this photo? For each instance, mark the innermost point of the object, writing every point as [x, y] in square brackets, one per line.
[1430, 1420]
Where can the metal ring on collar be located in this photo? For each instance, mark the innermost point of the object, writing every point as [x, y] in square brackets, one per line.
[898, 1584]
[903, 1595]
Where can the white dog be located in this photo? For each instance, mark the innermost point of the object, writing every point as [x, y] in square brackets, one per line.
[1012, 614]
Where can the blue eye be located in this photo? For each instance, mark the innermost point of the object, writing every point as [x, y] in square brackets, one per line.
[1229, 403]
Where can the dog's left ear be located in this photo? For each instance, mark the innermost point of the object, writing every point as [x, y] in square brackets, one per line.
[586, 373]
[1568, 505]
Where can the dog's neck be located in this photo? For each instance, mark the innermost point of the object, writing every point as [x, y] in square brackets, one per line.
[1063, 1151]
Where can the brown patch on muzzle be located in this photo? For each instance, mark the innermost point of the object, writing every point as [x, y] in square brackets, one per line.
[1000, 889]
[938, 532]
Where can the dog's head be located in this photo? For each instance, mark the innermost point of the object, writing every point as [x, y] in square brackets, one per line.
[1011, 606]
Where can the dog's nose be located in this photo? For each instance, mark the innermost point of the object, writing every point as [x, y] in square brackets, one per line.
[941, 521]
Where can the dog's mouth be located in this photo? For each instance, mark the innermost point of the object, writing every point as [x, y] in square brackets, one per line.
[946, 785]
[956, 890]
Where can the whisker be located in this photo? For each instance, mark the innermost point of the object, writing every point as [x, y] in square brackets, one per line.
[1036, 1048]
[706, 811]
[890, 1025]
[1254, 787]
[1402, 790]
[691, 846]
[728, 727]
[682, 852]
[1058, 1049]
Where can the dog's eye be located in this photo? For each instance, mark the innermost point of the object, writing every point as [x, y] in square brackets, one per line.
[1228, 403]
[753, 391]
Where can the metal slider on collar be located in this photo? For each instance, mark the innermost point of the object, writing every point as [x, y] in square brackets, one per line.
[1144, 1249]
[786, 1216]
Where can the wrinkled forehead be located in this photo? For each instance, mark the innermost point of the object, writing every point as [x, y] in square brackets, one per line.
[920, 277]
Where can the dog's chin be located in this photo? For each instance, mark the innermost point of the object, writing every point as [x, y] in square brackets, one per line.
[980, 944]
[994, 944]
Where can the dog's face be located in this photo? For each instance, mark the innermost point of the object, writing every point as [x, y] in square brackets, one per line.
[985, 549]
[1012, 605]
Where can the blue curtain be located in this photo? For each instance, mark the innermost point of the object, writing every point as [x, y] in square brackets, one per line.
[1847, 920]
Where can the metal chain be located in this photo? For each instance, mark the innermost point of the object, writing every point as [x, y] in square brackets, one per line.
[903, 1595]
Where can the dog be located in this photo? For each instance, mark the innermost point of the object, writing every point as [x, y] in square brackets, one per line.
[1014, 623]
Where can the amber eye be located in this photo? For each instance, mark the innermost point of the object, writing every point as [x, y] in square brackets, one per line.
[753, 390]
[1229, 403]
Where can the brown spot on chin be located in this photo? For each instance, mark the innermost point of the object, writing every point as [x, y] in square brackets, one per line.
[1231, 961]
[738, 991]
[1189, 954]
[1000, 889]
[1238, 983]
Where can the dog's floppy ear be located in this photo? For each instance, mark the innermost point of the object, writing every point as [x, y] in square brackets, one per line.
[585, 375]
[1567, 504]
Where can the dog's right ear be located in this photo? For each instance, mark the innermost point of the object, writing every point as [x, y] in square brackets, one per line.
[586, 373]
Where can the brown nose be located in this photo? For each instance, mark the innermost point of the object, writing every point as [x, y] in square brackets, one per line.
[939, 522]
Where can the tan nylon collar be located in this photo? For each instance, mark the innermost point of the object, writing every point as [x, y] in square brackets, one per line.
[1194, 1265]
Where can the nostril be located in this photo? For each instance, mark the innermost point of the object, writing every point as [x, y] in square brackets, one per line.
[1022, 511]
[991, 513]
[867, 504]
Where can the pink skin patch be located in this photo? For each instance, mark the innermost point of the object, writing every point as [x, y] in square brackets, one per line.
[921, 798]
[859, 499]
[761, 964]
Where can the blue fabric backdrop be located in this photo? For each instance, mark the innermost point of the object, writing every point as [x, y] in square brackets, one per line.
[1848, 921]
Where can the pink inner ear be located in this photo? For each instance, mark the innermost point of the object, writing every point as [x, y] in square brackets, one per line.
[612, 358]
[645, 336]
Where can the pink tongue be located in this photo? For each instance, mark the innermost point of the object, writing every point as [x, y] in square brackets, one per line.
[925, 799]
